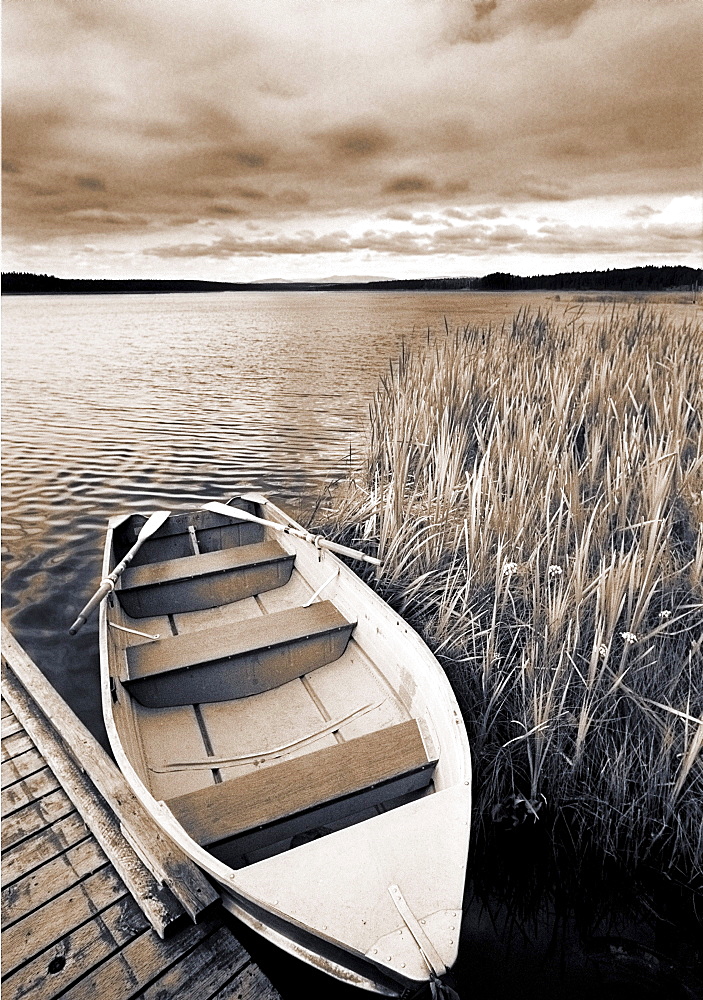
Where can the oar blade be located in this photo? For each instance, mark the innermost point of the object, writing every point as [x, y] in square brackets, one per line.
[238, 514]
[219, 508]
[152, 524]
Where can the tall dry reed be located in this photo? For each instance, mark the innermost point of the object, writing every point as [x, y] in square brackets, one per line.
[536, 494]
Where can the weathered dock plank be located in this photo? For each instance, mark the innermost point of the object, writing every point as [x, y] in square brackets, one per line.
[35, 817]
[76, 954]
[10, 726]
[139, 963]
[37, 930]
[157, 900]
[14, 745]
[41, 847]
[21, 766]
[58, 875]
[208, 967]
[36, 786]
[249, 984]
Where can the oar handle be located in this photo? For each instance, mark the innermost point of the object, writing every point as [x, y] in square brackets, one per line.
[342, 550]
[100, 594]
[148, 528]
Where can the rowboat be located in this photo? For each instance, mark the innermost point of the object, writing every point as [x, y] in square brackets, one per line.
[293, 735]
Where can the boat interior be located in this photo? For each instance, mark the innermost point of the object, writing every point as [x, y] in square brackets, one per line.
[243, 697]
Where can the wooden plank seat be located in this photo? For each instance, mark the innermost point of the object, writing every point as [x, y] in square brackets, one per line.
[207, 580]
[300, 793]
[238, 659]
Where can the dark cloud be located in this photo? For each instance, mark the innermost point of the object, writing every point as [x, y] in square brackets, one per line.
[222, 208]
[250, 194]
[532, 187]
[409, 184]
[250, 159]
[103, 218]
[487, 20]
[90, 183]
[559, 14]
[292, 197]
[357, 141]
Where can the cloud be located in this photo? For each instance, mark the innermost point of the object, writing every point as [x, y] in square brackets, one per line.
[641, 212]
[481, 21]
[399, 214]
[152, 116]
[489, 212]
[475, 239]
[411, 184]
[105, 218]
[356, 142]
[90, 183]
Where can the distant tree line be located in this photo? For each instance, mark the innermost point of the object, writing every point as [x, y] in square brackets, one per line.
[631, 279]
[22, 283]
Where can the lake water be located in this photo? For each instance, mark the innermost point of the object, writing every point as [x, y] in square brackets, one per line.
[113, 403]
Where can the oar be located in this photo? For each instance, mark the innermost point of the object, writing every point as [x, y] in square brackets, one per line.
[108, 584]
[260, 498]
[317, 540]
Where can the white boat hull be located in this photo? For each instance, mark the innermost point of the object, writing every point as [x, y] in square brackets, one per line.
[329, 901]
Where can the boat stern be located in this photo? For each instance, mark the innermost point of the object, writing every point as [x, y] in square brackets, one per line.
[387, 891]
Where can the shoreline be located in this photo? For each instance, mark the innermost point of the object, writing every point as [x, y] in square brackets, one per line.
[638, 280]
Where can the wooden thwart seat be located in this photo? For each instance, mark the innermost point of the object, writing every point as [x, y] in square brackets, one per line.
[207, 580]
[238, 659]
[344, 778]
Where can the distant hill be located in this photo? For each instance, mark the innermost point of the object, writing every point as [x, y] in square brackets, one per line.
[631, 279]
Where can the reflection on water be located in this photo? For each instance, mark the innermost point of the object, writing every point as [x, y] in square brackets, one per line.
[136, 402]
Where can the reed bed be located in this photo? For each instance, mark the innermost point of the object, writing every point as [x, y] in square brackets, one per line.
[536, 494]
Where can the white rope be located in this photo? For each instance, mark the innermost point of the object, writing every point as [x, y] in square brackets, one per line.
[133, 631]
[319, 590]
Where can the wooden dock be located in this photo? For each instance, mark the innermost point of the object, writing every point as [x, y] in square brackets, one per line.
[85, 915]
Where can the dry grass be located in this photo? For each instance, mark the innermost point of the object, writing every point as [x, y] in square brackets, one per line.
[536, 493]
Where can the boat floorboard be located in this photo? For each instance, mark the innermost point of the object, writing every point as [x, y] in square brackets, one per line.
[294, 711]
[70, 927]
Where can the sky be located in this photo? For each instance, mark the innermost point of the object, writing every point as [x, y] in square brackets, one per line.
[245, 140]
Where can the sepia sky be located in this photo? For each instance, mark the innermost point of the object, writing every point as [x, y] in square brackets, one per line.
[303, 139]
